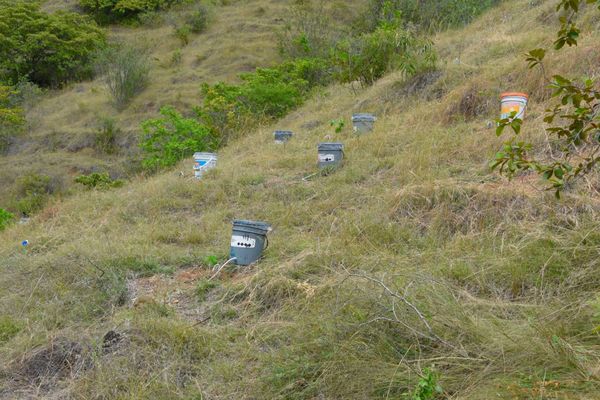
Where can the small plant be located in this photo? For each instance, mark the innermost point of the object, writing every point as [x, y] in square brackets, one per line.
[8, 329]
[176, 58]
[337, 124]
[5, 218]
[172, 137]
[11, 117]
[106, 136]
[183, 34]
[98, 180]
[197, 20]
[109, 11]
[427, 388]
[203, 287]
[211, 261]
[125, 69]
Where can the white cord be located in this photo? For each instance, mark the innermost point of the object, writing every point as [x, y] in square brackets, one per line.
[221, 267]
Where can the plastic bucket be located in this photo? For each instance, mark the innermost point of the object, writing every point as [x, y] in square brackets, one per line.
[513, 102]
[282, 136]
[248, 240]
[330, 154]
[203, 162]
[363, 122]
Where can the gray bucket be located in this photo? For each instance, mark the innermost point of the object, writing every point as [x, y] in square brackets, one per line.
[203, 162]
[248, 240]
[282, 136]
[363, 123]
[330, 154]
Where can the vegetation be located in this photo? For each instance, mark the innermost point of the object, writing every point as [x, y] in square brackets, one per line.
[110, 11]
[5, 218]
[47, 49]
[410, 269]
[170, 138]
[11, 116]
[125, 69]
[98, 180]
[32, 192]
[105, 139]
[574, 120]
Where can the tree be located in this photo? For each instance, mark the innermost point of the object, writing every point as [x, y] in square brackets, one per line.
[574, 120]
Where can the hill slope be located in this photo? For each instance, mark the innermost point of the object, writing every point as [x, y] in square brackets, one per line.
[411, 258]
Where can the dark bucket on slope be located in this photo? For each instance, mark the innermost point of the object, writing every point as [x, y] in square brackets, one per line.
[248, 240]
[363, 123]
[282, 136]
[330, 155]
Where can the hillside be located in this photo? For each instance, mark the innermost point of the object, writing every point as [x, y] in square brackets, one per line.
[412, 261]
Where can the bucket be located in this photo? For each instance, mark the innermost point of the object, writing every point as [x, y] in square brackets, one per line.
[513, 102]
[363, 122]
[282, 136]
[330, 154]
[203, 162]
[248, 240]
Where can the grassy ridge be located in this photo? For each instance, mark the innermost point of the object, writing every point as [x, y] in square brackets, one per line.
[505, 279]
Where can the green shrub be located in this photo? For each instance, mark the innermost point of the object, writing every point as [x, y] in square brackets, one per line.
[98, 180]
[197, 19]
[370, 56]
[309, 33]
[32, 192]
[125, 69]
[171, 138]
[47, 49]
[5, 218]
[430, 14]
[106, 136]
[108, 11]
[11, 117]
[183, 34]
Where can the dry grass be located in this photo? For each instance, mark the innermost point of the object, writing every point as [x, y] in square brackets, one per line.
[505, 276]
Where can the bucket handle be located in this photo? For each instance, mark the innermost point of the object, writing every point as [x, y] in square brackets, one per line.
[266, 246]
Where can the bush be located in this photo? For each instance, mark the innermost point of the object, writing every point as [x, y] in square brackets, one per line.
[430, 14]
[183, 34]
[368, 57]
[171, 138]
[11, 117]
[98, 180]
[47, 49]
[5, 218]
[32, 191]
[197, 19]
[108, 11]
[8, 329]
[125, 69]
[106, 136]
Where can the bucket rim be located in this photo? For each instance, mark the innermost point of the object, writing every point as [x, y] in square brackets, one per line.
[280, 131]
[364, 117]
[330, 146]
[252, 224]
[514, 94]
[204, 154]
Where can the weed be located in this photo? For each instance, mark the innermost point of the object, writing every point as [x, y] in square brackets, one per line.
[337, 124]
[8, 329]
[5, 218]
[183, 34]
[427, 388]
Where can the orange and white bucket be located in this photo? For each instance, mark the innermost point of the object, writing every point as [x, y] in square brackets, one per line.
[513, 102]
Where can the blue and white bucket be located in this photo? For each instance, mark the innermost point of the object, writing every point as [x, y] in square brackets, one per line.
[282, 136]
[363, 122]
[204, 162]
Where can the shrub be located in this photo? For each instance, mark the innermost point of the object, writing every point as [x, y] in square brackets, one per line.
[308, 33]
[5, 218]
[108, 11]
[48, 49]
[125, 69]
[183, 34]
[430, 14]
[106, 136]
[204, 287]
[197, 19]
[11, 117]
[368, 57]
[98, 180]
[171, 138]
[32, 191]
